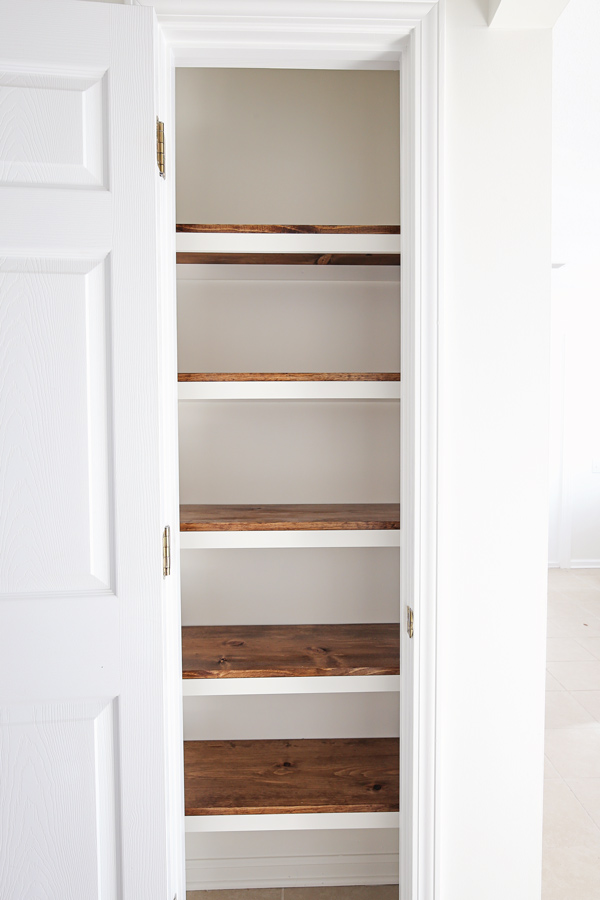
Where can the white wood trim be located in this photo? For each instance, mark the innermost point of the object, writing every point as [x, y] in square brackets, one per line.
[565, 505]
[168, 412]
[584, 564]
[229, 540]
[360, 33]
[298, 34]
[289, 390]
[333, 684]
[288, 243]
[226, 873]
[420, 160]
[292, 822]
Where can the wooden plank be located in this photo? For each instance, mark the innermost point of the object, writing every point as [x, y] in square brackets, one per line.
[290, 517]
[288, 376]
[288, 229]
[291, 776]
[273, 651]
[291, 259]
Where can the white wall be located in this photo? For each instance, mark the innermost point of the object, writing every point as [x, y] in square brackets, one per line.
[575, 445]
[493, 456]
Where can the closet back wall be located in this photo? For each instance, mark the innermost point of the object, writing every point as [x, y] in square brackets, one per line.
[287, 146]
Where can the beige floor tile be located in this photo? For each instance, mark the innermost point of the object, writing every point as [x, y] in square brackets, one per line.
[590, 577]
[563, 711]
[577, 624]
[251, 894]
[552, 684]
[564, 604]
[568, 649]
[590, 700]
[571, 869]
[351, 892]
[591, 644]
[573, 580]
[581, 675]
[575, 752]
[587, 791]
[550, 771]
[588, 600]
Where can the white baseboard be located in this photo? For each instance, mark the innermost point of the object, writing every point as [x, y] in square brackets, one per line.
[553, 565]
[298, 871]
[585, 563]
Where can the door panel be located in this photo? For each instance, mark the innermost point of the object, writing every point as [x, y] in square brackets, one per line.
[86, 727]
[60, 758]
[54, 129]
[55, 406]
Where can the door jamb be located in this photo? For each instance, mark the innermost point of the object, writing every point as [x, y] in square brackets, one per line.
[407, 36]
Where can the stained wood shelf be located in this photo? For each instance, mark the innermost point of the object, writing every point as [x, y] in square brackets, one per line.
[291, 651]
[290, 517]
[287, 229]
[287, 376]
[287, 259]
[273, 777]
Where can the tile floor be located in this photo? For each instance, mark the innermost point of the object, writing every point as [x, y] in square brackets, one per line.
[572, 774]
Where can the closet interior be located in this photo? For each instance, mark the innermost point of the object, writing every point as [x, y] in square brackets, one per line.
[288, 268]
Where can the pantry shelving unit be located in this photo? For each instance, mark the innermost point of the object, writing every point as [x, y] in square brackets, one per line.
[323, 783]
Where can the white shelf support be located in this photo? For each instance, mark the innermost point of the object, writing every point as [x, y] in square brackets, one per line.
[229, 540]
[292, 822]
[331, 684]
[289, 390]
[287, 243]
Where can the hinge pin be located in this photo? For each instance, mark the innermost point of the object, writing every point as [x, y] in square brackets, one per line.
[160, 147]
[410, 622]
[166, 551]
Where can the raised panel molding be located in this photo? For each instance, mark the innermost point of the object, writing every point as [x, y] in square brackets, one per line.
[53, 130]
[58, 803]
[56, 528]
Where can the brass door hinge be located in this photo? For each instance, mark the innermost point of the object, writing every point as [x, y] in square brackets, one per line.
[410, 622]
[166, 551]
[160, 147]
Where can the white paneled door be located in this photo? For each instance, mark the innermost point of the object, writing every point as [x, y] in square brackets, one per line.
[84, 745]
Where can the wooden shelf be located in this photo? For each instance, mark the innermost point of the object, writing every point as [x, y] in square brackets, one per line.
[289, 259]
[287, 376]
[358, 775]
[290, 517]
[288, 229]
[275, 651]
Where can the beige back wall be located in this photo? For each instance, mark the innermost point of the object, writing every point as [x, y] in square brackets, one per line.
[288, 146]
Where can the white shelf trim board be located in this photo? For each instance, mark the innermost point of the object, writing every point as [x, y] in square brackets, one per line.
[292, 822]
[229, 540]
[326, 684]
[289, 390]
[187, 242]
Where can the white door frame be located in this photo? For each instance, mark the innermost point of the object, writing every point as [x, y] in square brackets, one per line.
[392, 35]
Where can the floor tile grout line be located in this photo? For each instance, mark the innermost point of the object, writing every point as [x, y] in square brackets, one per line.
[581, 804]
